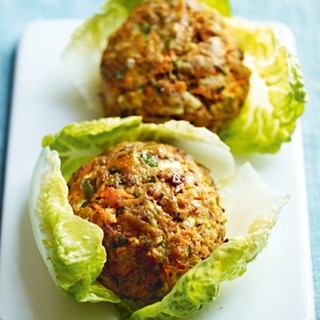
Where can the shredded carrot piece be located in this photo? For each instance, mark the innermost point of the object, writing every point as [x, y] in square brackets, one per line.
[147, 283]
[166, 274]
[188, 232]
[172, 268]
[121, 250]
[111, 254]
[148, 92]
[114, 196]
[128, 80]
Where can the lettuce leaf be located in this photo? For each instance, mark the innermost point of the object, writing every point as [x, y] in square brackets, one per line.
[79, 142]
[82, 56]
[71, 247]
[277, 95]
[276, 98]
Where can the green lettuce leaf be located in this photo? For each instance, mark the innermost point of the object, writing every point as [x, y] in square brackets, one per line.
[71, 247]
[276, 98]
[79, 142]
[277, 95]
[220, 5]
[82, 56]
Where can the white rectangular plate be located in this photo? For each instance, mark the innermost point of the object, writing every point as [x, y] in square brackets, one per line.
[278, 285]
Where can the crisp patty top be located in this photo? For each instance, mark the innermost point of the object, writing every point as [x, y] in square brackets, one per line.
[175, 60]
[159, 211]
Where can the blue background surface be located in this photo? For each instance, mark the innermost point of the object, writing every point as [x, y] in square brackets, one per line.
[303, 18]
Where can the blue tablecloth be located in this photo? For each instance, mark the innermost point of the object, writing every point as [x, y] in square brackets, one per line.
[303, 17]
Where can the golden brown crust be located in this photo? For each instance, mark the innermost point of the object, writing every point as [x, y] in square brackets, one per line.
[175, 60]
[158, 209]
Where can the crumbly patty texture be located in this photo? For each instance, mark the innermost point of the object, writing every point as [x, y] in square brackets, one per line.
[174, 60]
[159, 212]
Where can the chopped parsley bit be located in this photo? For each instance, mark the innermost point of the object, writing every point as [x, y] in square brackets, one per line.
[135, 181]
[231, 99]
[85, 204]
[122, 181]
[168, 42]
[189, 248]
[136, 194]
[221, 70]
[143, 87]
[146, 28]
[158, 87]
[120, 210]
[120, 75]
[163, 245]
[113, 170]
[146, 240]
[152, 180]
[174, 62]
[88, 189]
[149, 159]
[161, 196]
[120, 240]
[220, 89]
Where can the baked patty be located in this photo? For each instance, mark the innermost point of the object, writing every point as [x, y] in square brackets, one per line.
[178, 60]
[159, 212]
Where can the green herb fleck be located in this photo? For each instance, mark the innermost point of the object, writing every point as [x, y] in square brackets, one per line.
[136, 194]
[149, 159]
[122, 181]
[152, 180]
[143, 87]
[146, 28]
[87, 189]
[189, 248]
[163, 245]
[120, 210]
[220, 89]
[120, 75]
[221, 70]
[161, 196]
[135, 181]
[231, 99]
[113, 170]
[120, 240]
[85, 204]
[168, 42]
[158, 87]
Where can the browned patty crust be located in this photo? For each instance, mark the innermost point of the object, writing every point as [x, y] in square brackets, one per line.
[159, 212]
[178, 60]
